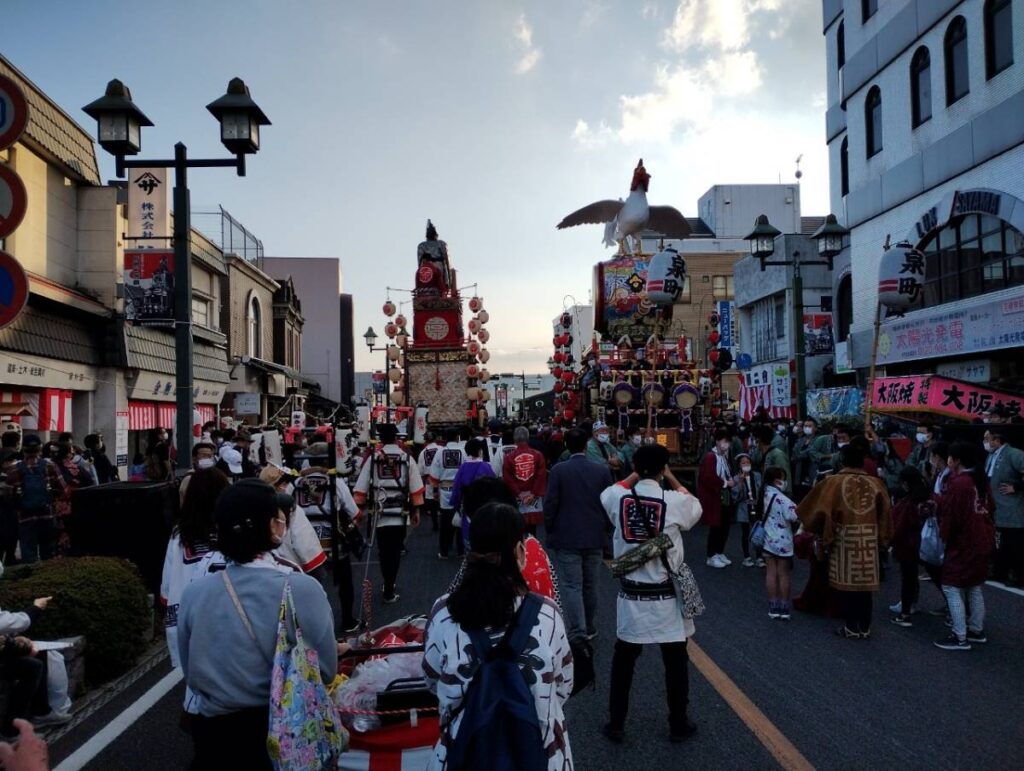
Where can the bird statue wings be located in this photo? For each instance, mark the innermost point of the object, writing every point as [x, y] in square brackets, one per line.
[629, 218]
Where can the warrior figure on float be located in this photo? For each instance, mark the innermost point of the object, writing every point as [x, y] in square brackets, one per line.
[432, 259]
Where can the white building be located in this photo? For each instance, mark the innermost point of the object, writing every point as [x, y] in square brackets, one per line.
[925, 128]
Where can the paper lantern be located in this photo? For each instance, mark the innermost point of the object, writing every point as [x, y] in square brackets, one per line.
[485, 395]
[557, 372]
[569, 414]
[484, 316]
[394, 374]
[900, 274]
[474, 326]
[556, 420]
[559, 386]
[571, 397]
[389, 309]
[713, 355]
[484, 355]
[394, 352]
[391, 329]
[484, 376]
[474, 348]
[566, 320]
[472, 393]
[686, 396]
[558, 357]
[714, 337]
[401, 320]
[484, 335]
[476, 304]
[666, 275]
[402, 338]
[568, 377]
[472, 371]
[397, 398]
[715, 412]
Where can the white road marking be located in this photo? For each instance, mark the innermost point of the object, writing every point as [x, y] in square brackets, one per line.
[1005, 588]
[81, 757]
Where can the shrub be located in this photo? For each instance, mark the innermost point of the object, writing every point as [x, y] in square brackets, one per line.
[102, 598]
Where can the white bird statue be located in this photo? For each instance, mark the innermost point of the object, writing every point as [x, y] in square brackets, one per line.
[629, 218]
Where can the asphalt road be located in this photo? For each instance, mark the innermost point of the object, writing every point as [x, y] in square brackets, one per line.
[894, 701]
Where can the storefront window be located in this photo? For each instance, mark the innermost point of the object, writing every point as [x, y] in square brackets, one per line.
[973, 256]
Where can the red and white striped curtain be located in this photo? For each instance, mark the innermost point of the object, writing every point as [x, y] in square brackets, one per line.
[45, 409]
[752, 398]
[143, 416]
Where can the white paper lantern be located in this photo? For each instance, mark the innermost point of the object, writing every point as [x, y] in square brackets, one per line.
[394, 374]
[472, 371]
[472, 393]
[474, 326]
[484, 316]
[394, 352]
[484, 355]
[476, 304]
[474, 347]
[485, 395]
[900, 276]
[397, 398]
[484, 335]
[666, 274]
[484, 376]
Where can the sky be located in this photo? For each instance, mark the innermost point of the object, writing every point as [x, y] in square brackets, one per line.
[493, 118]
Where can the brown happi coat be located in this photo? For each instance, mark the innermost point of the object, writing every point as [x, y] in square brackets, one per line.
[851, 513]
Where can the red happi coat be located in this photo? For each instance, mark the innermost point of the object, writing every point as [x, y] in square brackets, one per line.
[525, 471]
[967, 530]
[709, 490]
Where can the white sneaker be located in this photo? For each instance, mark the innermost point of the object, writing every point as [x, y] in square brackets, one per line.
[748, 562]
[724, 559]
[760, 562]
[714, 562]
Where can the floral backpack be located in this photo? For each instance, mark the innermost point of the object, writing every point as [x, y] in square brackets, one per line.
[305, 731]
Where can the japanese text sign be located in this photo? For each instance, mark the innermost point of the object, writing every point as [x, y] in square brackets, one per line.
[944, 396]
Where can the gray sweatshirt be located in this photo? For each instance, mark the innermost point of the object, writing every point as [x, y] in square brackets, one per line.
[218, 658]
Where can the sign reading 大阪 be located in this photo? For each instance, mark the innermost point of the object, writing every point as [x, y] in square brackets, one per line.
[944, 396]
[148, 213]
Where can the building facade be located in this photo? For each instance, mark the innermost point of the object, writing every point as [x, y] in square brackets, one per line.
[926, 145]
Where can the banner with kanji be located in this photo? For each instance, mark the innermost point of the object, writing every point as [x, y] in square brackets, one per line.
[939, 395]
[769, 388]
[835, 403]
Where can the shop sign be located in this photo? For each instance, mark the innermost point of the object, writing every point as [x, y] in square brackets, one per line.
[972, 370]
[983, 326]
[247, 404]
[154, 387]
[940, 395]
[28, 370]
[148, 213]
[777, 376]
[818, 333]
[149, 286]
[121, 423]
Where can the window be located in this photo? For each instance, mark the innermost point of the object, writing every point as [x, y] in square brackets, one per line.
[873, 121]
[957, 84]
[921, 87]
[998, 36]
[868, 8]
[844, 167]
[780, 317]
[841, 45]
[722, 287]
[844, 309]
[200, 312]
[254, 319]
[972, 256]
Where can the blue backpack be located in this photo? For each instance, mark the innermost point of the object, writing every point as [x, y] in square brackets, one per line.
[35, 487]
[500, 730]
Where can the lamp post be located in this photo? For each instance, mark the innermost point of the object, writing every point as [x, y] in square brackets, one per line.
[829, 238]
[526, 388]
[119, 122]
[371, 338]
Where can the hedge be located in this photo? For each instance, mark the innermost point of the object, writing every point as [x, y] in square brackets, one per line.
[102, 598]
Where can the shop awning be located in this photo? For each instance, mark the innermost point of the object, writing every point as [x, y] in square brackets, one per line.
[273, 367]
[940, 396]
[50, 335]
[152, 349]
[143, 415]
[42, 409]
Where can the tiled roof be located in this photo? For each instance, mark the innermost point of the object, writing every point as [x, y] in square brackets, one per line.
[698, 228]
[152, 349]
[51, 131]
[42, 333]
[809, 224]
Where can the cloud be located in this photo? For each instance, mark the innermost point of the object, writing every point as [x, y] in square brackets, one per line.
[589, 138]
[529, 55]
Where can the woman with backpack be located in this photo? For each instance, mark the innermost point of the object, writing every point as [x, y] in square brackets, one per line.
[968, 532]
[779, 516]
[492, 646]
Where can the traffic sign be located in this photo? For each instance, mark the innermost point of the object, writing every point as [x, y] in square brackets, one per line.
[13, 200]
[13, 112]
[13, 289]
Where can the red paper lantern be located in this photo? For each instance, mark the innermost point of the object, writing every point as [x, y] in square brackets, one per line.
[569, 414]
[713, 355]
[556, 420]
[557, 371]
[391, 329]
[472, 371]
[559, 386]
[714, 337]
[568, 377]
[559, 357]
[401, 320]
[389, 308]
[715, 412]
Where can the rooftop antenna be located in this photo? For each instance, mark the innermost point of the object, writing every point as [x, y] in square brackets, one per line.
[799, 173]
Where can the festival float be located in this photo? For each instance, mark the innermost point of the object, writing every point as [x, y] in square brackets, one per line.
[640, 370]
[437, 374]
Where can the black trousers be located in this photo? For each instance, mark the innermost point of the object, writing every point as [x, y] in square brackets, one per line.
[718, 535]
[235, 740]
[337, 582]
[28, 690]
[745, 538]
[677, 682]
[390, 542]
[910, 588]
[430, 506]
[1010, 554]
[856, 607]
[449, 531]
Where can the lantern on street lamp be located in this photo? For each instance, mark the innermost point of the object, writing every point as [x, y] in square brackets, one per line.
[762, 239]
[240, 119]
[829, 238]
[118, 120]
[370, 337]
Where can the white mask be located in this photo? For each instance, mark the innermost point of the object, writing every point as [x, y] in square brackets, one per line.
[602, 438]
[205, 463]
[781, 429]
[987, 446]
[808, 430]
[76, 459]
[745, 469]
[922, 438]
[840, 445]
[636, 440]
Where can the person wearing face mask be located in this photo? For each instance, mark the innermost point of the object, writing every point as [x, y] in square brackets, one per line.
[919, 456]
[76, 474]
[771, 456]
[631, 441]
[810, 453]
[601, 450]
[841, 439]
[778, 513]
[936, 467]
[105, 471]
[714, 489]
[1004, 468]
[745, 493]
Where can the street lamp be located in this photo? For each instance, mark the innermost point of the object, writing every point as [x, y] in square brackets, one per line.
[119, 122]
[371, 339]
[829, 238]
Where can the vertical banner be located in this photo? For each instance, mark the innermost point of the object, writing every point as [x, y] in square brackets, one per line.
[727, 327]
[501, 401]
[148, 213]
[149, 286]
[121, 438]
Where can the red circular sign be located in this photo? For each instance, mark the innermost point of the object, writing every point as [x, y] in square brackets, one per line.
[13, 200]
[13, 289]
[13, 112]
